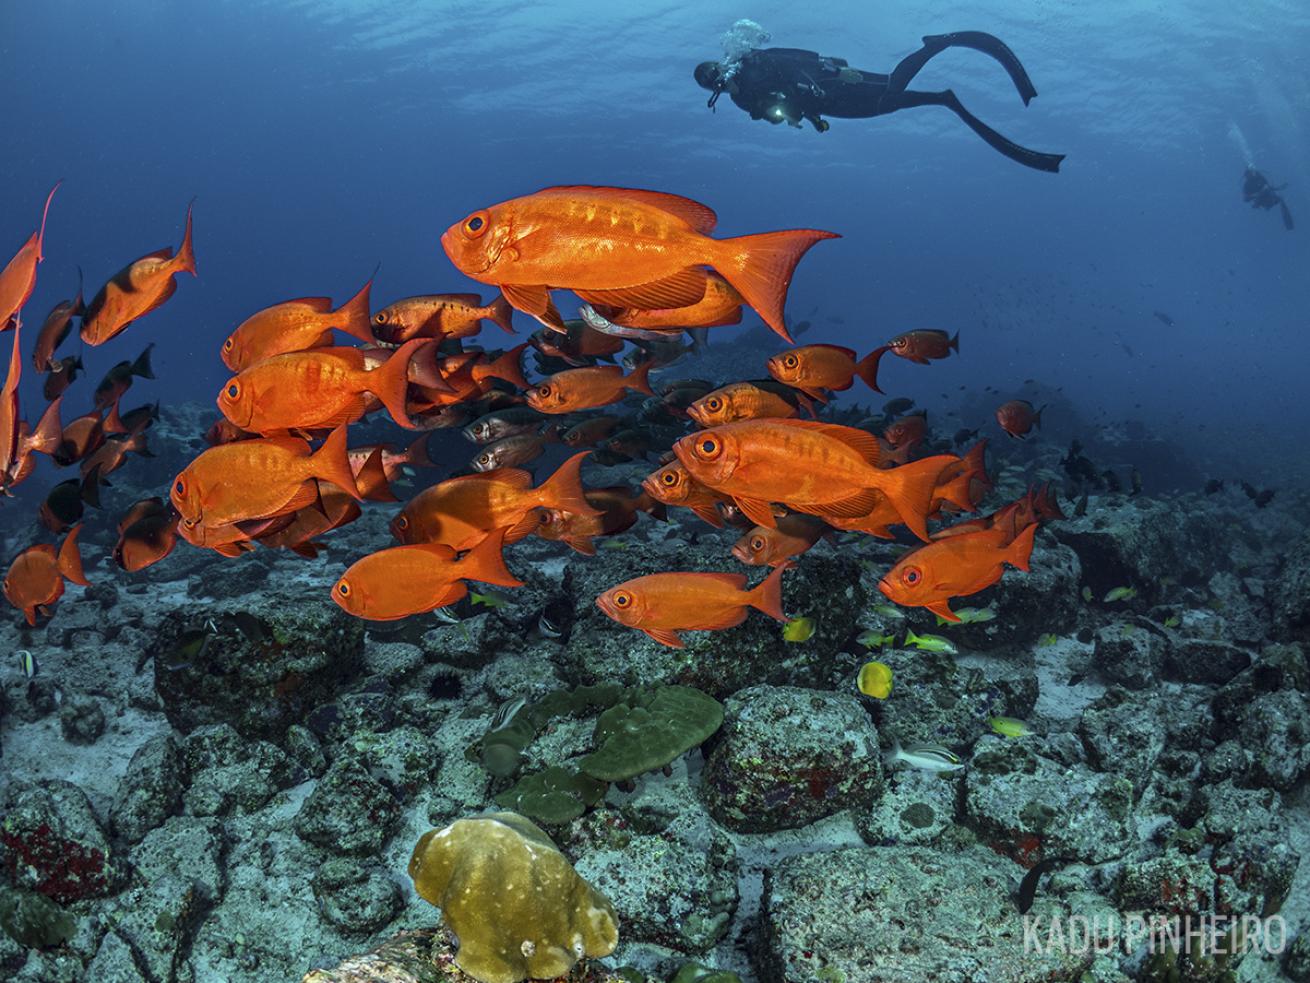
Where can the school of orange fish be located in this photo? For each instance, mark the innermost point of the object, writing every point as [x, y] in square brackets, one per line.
[280, 471]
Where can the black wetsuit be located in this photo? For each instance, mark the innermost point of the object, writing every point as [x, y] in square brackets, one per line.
[791, 84]
[1259, 193]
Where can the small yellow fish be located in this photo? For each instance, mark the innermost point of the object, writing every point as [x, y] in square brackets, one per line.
[489, 600]
[930, 643]
[798, 630]
[1047, 640]
[888, 611]
[1173, 621]
[970, 616]
[613, 544]
[872, 640]
[875, 680]
[1120, 594]
[1009, 727]
[1087, 594]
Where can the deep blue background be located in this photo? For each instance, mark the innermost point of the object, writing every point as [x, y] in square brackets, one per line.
[321, 139]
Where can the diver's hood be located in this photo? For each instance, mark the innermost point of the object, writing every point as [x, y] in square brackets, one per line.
[709, 74]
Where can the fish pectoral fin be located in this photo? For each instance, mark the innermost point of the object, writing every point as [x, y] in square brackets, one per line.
[860, 504]
[943, 610]
[534, 300]
[684, 288]
[582, 544]
[758, 511]
[665, 636]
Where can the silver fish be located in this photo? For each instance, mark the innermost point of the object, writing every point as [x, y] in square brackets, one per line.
[606, 326]
[925, 757]
[506, 714]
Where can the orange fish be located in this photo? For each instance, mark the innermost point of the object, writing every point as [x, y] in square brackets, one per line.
[45, 438]
[230, 539]
[924, 345]
[814, 368]
[963, 483]
[674, 485]
[663, 604]
[720, 306]
[403, 580]
[585, 388]
[794, 535]
[9, 410]
[618, 507]
[112, 454]
[907, 432]
[137, 289]
[316, 389]
[55, 329]
[294, 326]
[590, 432]
[118, 380]
[876, 522]
[460, 512]
[63, 373]
[819, 468]
[578, 345]
[147, 533]
[35, 580]
[333, 510]
[439, 316]
[1039, 505]
[255, 479]
[1017, 418]
[393, 461]
[66, 502]
[371, 477]
[80, 437]
[224, 431]
[620, 247]
[931, 575]
[18, 278]
[755, 400]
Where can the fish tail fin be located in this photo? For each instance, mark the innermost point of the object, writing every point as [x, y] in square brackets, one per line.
[417, 456]
[760, 268]
[767, 596]
[137, 442]
[141, 367]
[356, 318]
[90, 490]
[69, 560]
[639, 380]
[867, 368]
[113, 422]
[563, 490]
[1019, 552]
[48, 433]
[509, 367]
[389, 382]
[485, 562]
[955, 343]
[910, 489]
[186, 253]
[40, 236]
[700, 339]
[331, 463]
[372, 479]
[500, 313]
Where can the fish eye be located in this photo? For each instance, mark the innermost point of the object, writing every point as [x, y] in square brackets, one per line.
[622, 599]
[402, 521]
[790, 361]
[475, 225]
[233, 391]
[227, 345]
[180, 487]
[757, 543]
[708, 447]
[380, 317]
[670, 478]
[713, 403]
[343, 589]
[911, 576]
[543, 391]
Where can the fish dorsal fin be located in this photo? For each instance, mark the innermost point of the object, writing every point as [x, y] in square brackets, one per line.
[472, 300]
[861, 441]
[319, 305]
[848, 352]
[514, 477]
[683, 289]
[700, 217]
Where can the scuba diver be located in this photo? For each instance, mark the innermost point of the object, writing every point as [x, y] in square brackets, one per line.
[791, 84]
[1259, 193]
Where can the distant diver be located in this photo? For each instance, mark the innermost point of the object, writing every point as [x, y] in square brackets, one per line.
[790, 85]
[1259, 193]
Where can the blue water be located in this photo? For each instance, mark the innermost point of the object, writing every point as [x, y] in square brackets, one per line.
[320, 139]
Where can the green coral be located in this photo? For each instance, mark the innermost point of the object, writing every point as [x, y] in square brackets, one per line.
[651, 727]
[500, 751]
[518, 907]
[555, 796]
[33, 920]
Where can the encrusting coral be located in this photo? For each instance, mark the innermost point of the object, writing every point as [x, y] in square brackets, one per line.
[519, 908]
